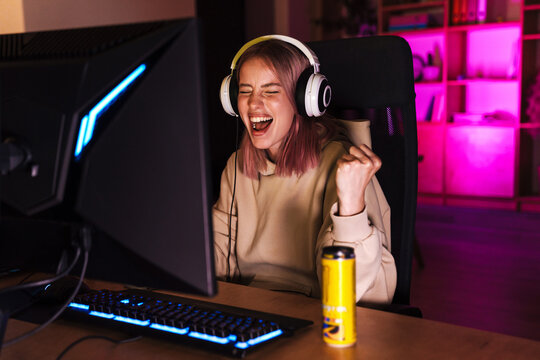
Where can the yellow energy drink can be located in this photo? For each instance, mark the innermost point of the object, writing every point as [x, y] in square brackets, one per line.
[339, 296]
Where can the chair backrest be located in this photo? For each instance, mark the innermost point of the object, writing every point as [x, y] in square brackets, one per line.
[372, 77]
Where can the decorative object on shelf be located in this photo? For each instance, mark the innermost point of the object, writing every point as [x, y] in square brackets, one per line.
[437, 58]
[499, 116]
[533, 112]
[356, 18]
[359, 17]
[538, 176]
[533, 105]
[431, 72]
[418, 67]
[512, 69]
[459, 118]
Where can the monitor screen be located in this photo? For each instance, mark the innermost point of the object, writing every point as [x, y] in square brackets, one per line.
[106, 126]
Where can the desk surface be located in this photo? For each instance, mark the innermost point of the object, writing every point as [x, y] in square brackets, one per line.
[380, 335]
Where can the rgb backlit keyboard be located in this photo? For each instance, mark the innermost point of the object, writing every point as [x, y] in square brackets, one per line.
[225, 329]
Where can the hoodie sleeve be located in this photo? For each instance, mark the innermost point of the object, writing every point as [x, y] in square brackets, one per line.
[369, 234]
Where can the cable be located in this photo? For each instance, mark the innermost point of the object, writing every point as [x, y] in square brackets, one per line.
[90, 337]
[228, 277]
[46, 281]
[58, 313]
[25, 306]
[86, 245]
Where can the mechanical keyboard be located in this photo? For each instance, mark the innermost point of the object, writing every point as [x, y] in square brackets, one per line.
[225, 329]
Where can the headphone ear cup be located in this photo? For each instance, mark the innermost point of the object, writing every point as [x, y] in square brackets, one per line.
[301, 89]
[318, 95]
[228, 94]
[313, 93]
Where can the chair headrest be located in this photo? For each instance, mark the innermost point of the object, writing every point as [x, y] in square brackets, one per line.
[367, 72]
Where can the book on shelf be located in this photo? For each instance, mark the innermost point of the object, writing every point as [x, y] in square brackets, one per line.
[435, 109]
[456, 6]
[471, 11]
[468, 11]
[463, 11]
[429, 111]
[481, 11]
[408, 21]
[413, 20]
[438, 108]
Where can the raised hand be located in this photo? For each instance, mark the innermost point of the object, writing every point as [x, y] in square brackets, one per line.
[354, 173]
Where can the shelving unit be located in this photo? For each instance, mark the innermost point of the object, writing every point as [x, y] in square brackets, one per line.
[482, 149]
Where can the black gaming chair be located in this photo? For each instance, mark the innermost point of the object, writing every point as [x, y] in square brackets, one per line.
[372, 78]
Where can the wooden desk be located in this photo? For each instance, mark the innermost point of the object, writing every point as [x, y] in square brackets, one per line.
[380, 335]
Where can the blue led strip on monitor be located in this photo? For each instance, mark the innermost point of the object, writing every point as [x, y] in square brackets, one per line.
[88, 121]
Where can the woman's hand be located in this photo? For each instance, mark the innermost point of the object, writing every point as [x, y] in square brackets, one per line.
[354, 173]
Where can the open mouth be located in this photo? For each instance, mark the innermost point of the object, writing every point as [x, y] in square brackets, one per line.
[260, 123]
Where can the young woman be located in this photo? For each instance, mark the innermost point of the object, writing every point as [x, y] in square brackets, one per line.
[295, 186]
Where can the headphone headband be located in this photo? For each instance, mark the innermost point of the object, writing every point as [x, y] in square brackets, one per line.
[313, 59]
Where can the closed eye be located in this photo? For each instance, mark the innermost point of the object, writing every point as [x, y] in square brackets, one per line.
[244, 88]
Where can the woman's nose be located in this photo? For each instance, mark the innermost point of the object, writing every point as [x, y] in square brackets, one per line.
[254, 100]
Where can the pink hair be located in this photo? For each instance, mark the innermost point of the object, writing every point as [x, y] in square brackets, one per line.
[300, 150]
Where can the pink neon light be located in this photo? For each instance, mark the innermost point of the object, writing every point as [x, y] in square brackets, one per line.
[480, 161]
[493, 53]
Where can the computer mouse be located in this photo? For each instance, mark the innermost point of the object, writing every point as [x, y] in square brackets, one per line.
[60, 290]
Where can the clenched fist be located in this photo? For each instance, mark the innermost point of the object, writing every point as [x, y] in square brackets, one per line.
[354, 173]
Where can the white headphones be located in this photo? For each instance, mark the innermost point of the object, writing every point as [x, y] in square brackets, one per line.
[313, 93]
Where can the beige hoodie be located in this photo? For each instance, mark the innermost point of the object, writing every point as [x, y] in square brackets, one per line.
[280, 225]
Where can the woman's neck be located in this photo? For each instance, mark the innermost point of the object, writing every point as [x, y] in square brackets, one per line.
[269, 156]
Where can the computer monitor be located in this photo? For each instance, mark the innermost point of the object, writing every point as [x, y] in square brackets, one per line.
[107, 126]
